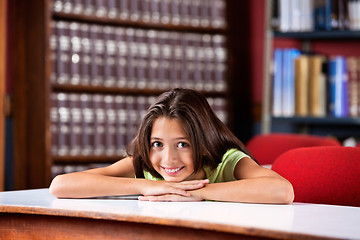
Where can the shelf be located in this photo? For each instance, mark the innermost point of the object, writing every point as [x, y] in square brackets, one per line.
[123, 91]
[327, 35]
[135, 24]
[319, 121]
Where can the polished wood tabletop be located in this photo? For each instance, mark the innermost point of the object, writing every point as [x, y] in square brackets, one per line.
[36, 214]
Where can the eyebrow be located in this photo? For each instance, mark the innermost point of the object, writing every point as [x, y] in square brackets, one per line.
[179, 138]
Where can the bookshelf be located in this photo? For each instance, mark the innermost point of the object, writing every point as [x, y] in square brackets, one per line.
[55, 91]
[327, 43]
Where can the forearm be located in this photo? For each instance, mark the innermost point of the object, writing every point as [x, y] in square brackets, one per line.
[255, 190]
[83, 185]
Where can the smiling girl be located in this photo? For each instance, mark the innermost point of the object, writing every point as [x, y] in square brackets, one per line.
[182, 152]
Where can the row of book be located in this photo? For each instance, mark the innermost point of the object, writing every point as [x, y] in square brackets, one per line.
[101, 125]
[316, 15]
[57, 169]
[315, 85]
[97, 55]
[196, 13]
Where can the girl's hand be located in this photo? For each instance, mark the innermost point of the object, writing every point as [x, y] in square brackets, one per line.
[179, 189]
[170, 198]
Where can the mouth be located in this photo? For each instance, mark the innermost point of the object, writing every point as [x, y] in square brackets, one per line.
[172, 170]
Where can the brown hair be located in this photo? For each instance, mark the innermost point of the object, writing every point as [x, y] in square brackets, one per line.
[209, 137]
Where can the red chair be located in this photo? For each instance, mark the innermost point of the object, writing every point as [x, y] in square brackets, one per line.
[325, 175]
[265, 148]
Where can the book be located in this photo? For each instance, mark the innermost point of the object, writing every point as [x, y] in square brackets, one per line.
[338, 84]
[352, 66]
[75, 127]
[317, 86]
[277, 92]
[302, 85]
[110, 125]
[289, 81]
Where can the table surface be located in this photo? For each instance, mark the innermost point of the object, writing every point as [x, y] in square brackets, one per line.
[298, 218]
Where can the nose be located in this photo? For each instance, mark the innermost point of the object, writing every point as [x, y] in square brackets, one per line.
[170, 154]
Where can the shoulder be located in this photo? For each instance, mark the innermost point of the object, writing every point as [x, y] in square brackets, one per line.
[233, 154]
[225, 170]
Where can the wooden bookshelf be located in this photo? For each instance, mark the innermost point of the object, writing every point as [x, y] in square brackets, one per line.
[31, 67]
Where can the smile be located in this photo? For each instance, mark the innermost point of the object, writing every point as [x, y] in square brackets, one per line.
[172, 170]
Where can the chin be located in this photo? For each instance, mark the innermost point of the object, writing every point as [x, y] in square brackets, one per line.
[174, 178]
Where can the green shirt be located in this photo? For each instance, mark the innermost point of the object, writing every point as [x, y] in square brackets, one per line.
[224, 171]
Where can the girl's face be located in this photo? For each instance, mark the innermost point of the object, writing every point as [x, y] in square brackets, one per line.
[171, 154]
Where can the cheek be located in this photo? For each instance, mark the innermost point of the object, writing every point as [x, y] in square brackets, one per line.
[155, 158]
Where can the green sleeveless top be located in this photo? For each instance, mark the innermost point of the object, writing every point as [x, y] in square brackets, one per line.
[224, 171]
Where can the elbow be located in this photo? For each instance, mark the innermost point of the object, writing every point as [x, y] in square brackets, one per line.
[56, 187]
[286, 194]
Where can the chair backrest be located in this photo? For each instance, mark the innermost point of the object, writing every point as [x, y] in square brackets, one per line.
[326, 175]
[265, 148]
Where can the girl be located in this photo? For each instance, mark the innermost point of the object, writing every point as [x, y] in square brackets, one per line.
[182, 152]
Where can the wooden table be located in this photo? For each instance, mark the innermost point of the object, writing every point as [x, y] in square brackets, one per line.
[36, 214]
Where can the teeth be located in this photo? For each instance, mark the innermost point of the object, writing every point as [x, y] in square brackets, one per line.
[173, 170]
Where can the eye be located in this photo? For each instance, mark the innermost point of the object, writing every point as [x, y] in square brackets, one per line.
[182, 145]
[156, 144]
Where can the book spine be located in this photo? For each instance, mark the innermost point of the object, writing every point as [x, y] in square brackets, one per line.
[278, 82]
[64, 122]
[63, 54]
[317, 86]
[175, 12]
[344, 89]
[154, 53]
[109, 57]
[301, 85]
[110, 125]
[205, 13]
[124, 9]
[220, 56]
[155, 11]
[112, 9]
[75, 124]
[121, 128]
[218, 9]
[353, 86]
[165, 11]
[131, 58]
[85, 55]
[209, 66]
[89, 7]
[99, 125]
[75, 50]
[88, 131]
[142, 58]
[121, 61]
[54, 118]
[101, 8]
[54, 51]
[185, 12]
[132, 118]
[134, 10]
[199, 80]
[145, 10]
[162, 82]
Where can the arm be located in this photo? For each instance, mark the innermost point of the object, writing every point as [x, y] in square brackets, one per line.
[255, 185]
[116, 179]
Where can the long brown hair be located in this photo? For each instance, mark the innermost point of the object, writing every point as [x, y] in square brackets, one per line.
[209, 137]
